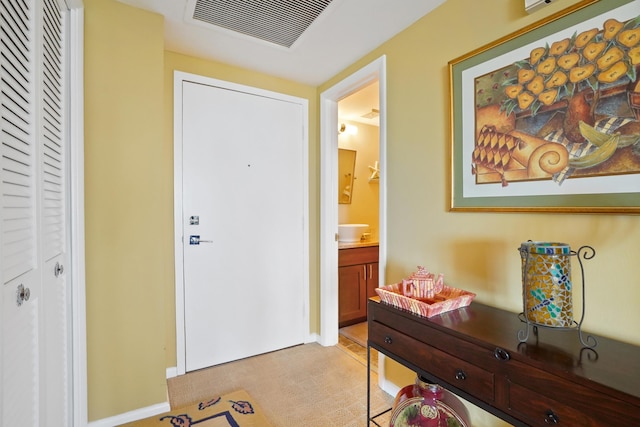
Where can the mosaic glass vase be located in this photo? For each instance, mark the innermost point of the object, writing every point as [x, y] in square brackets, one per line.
[546, 283]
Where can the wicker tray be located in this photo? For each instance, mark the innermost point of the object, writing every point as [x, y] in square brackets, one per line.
[447, 300]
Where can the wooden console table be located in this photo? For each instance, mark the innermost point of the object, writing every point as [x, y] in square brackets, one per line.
[475, 353]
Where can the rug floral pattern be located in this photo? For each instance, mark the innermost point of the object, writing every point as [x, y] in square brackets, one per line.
[232, 410]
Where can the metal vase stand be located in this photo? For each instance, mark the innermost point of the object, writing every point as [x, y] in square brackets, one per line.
[584, 252]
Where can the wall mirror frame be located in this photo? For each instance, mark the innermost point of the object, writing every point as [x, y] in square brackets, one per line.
[346, 168]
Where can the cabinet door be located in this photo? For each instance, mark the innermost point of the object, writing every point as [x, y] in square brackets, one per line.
[352, 291]
[372, 280]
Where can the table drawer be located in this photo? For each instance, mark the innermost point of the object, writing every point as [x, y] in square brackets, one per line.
[458, 373]
[534, 393]
[539, 410]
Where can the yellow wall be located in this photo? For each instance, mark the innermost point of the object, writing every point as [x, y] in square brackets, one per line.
[127, 208]
[129, 201]
[129, 191]
[365, 200]
[478, 251]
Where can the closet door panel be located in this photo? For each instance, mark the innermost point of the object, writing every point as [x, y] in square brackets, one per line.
[34, 342]
[18, 180]
[54, 340]
[17, 137]
[20, 353]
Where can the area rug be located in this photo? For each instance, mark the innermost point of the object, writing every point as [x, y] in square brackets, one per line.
[236, 409]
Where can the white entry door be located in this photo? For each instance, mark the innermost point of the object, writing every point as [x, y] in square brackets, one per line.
[243, 223]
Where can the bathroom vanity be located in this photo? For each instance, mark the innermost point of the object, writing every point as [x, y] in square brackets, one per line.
[550, 379]
[357, 280]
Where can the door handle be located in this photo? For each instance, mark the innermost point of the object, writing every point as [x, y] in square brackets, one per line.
[195, 240]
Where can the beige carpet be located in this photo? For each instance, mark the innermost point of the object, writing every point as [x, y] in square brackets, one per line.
[307, 385]
[236, 409]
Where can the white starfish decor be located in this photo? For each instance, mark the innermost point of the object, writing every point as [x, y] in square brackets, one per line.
[375, 171]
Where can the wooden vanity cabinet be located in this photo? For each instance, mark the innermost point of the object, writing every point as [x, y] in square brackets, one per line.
[357, 280]
[550, 379]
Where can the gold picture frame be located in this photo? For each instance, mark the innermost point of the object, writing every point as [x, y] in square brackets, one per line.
[548, 118]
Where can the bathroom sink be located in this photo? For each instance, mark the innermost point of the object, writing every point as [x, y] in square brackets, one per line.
[351, 232]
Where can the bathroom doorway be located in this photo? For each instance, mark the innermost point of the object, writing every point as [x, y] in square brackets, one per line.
[329, 123]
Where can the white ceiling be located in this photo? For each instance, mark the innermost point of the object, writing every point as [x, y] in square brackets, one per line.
[354, 106]
[343, 33]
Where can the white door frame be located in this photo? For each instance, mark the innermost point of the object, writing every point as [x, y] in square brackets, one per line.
[376, 70]
[78, 336]
[179, 77]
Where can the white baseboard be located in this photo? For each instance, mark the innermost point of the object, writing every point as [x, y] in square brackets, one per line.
[132, 416]
[172, 372]
[312, 338]
[390, 388]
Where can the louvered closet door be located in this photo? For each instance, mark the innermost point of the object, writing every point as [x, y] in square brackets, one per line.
[20, 274]
[55, 296]
[34, 299]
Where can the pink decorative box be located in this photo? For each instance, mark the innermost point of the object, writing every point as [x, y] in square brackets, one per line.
[447, 300]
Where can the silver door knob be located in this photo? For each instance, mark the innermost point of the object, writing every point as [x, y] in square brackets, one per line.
[58, 269]
[22, 294]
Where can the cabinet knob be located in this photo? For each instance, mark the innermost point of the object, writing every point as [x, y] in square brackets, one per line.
[501, 354]
[460, 375]
[388, 340]
[551, 418]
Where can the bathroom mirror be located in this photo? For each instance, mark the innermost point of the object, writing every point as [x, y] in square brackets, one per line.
[346, 166]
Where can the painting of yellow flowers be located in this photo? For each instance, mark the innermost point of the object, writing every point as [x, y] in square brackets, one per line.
[548, 118]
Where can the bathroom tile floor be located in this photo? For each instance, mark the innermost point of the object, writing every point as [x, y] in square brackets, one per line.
[353, 339]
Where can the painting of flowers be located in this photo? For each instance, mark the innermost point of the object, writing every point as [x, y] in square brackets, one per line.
[561, 116]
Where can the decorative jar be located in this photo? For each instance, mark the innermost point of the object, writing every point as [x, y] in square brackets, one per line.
[427, 405]
[546, 283]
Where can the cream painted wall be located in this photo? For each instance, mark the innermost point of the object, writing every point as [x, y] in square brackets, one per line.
[365, 199]
[478, 251]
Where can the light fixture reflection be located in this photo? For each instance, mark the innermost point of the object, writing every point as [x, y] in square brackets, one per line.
[348, 129]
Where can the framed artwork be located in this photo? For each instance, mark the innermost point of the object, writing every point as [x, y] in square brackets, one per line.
[548, 118]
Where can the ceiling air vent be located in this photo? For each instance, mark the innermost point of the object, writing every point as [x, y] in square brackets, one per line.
[280, 22]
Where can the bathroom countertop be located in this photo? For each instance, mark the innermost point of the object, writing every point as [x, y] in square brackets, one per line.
[351, 245]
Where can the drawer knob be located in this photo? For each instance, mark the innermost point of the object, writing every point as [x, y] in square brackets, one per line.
[501, 354]
[551, 418]
[388, 340]
[460, 375]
